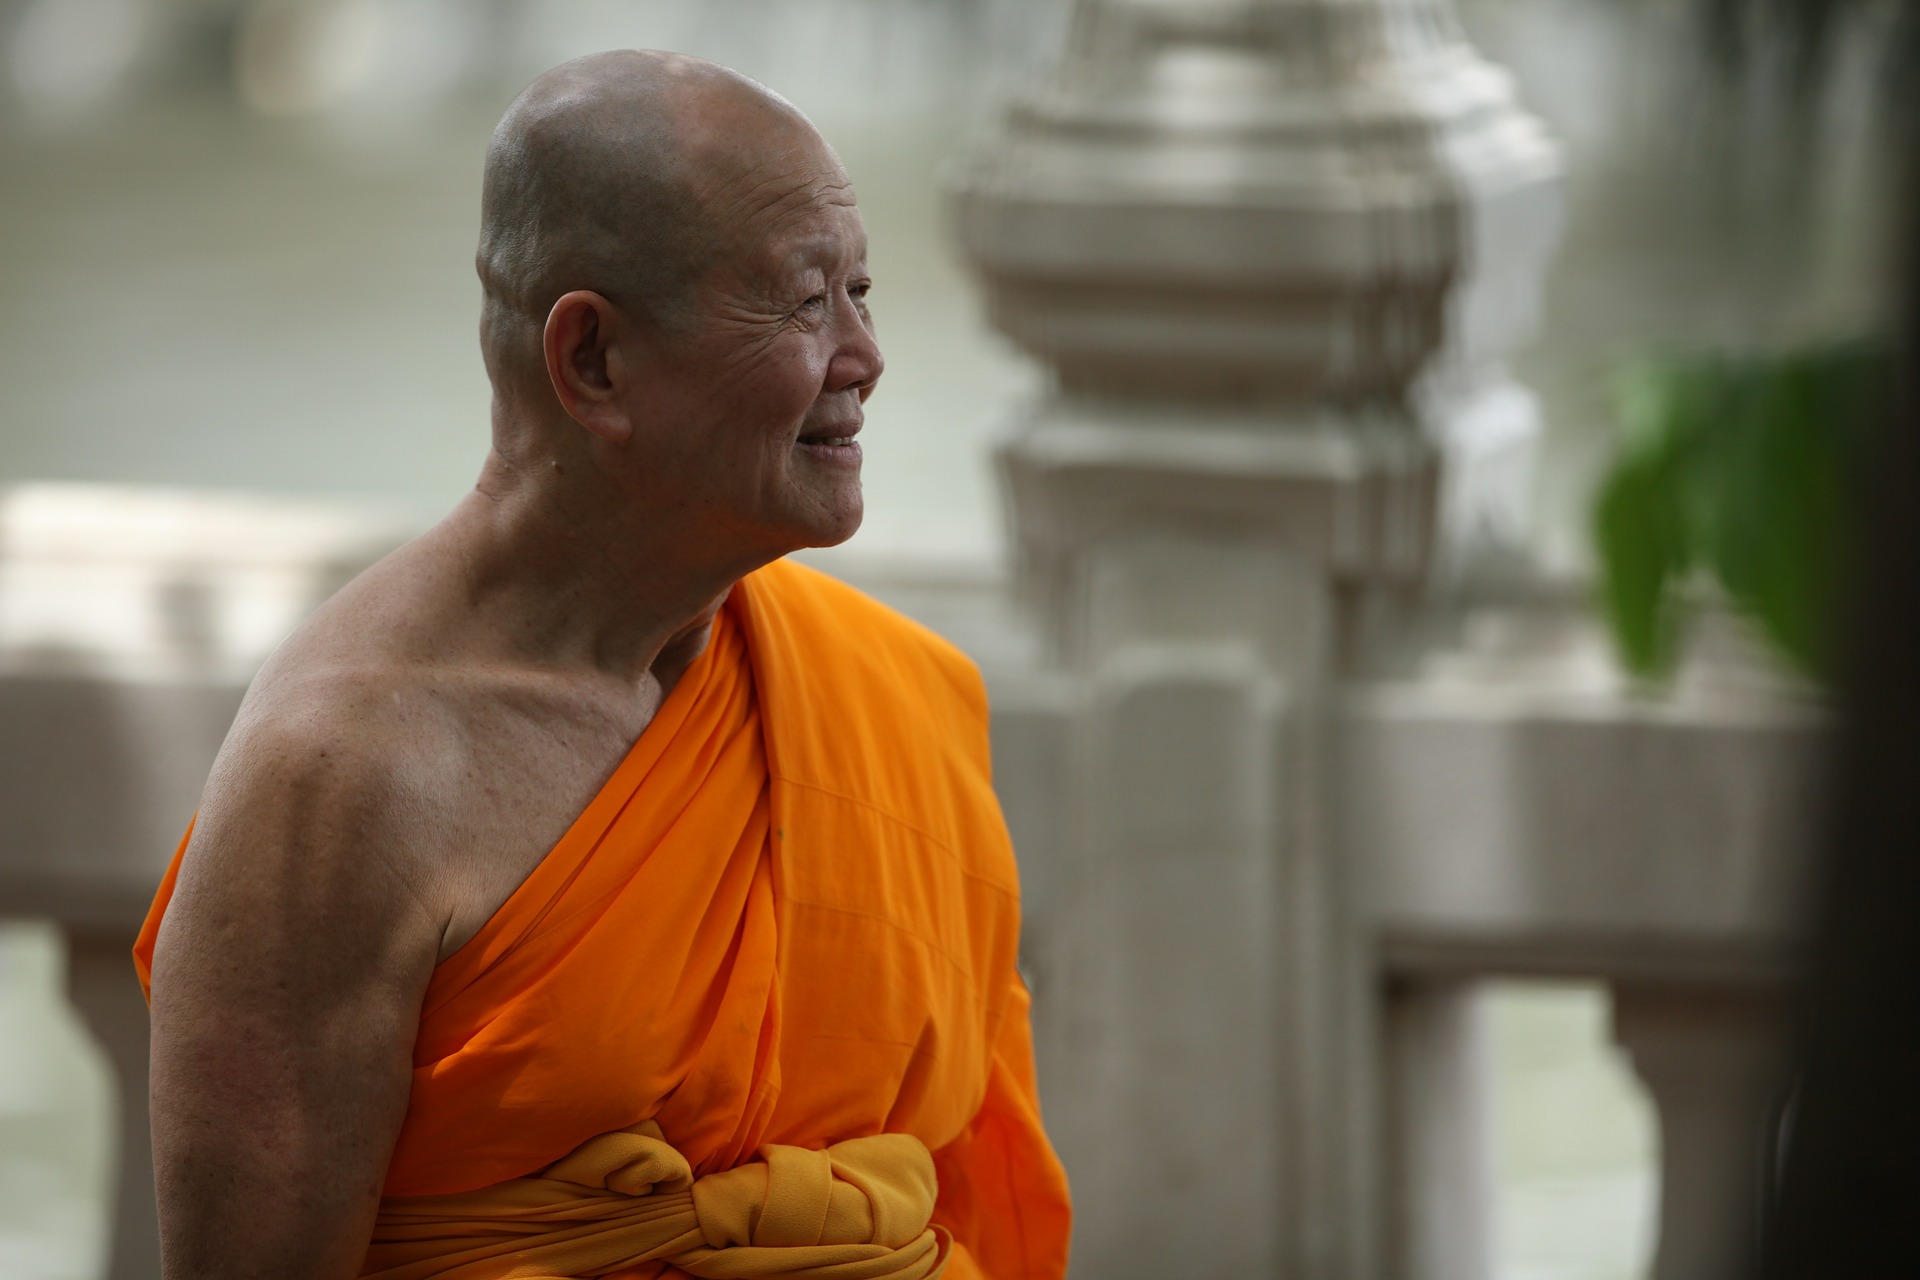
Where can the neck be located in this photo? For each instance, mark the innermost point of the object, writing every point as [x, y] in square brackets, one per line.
[568, 569]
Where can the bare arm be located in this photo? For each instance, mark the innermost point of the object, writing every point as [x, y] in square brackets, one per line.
[287, 984]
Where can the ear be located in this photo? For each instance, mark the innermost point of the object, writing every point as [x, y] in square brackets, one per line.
[585, 365]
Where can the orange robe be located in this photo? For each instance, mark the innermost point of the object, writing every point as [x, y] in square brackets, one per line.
[790, 917]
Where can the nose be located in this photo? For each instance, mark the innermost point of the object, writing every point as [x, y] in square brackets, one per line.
[857, 363]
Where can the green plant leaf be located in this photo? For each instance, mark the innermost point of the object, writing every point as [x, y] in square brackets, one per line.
[1643, 554]
[1742, 466]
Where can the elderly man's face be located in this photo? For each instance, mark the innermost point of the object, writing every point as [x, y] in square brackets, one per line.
[759, 399]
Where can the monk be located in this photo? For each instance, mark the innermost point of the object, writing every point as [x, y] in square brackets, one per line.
[585, 890]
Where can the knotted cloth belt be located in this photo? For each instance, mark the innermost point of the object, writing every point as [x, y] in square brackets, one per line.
[857, 1211]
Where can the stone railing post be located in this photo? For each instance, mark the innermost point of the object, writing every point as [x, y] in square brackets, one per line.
[1250, 237]
[1438, 1095]
[1712, 1058]
[97, 969]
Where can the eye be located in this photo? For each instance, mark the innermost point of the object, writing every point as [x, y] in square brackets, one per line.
[817, 300]
[858, 289]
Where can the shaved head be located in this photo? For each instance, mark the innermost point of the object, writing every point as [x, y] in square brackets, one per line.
[605, 174]
[675, 278]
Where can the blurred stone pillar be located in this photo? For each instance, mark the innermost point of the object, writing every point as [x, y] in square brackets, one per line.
[1713, 1059]
[1272, 252]
[1440, 1120]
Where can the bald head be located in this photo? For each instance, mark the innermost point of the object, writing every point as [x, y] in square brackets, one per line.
[605, 174]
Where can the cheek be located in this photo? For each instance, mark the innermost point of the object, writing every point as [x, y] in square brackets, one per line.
[784, 388]
[758, 399]
[806, 371]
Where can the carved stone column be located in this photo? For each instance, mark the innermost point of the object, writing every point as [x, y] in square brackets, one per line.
[1268, 247]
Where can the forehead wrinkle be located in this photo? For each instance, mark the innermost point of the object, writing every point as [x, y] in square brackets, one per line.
[823, 246]
[795, 178]
[769, 221]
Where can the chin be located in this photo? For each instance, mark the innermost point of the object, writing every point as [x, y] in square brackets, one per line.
[831, 533]
[825, 517]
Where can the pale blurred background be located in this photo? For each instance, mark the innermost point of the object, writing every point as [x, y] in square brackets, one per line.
[262, 215]
[237, 255]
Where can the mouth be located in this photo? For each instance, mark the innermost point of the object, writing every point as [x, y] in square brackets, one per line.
[838, 436]
[832, 446]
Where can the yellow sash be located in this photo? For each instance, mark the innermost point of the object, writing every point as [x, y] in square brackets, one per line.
[858, 1210]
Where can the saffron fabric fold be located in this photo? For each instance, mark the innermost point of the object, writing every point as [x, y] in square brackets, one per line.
[859, 1210]
[788, 920]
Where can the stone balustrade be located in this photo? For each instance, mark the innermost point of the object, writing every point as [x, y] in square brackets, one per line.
[1514, 813]
[1519, 811]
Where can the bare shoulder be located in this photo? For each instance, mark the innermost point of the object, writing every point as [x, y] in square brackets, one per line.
[311, 832]
[347, 728]
[339, 747]
[387, 765]
[317, 818]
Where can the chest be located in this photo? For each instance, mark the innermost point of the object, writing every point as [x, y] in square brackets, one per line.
[514, 785]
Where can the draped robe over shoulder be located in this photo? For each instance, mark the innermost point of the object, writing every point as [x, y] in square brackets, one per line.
[788, 920]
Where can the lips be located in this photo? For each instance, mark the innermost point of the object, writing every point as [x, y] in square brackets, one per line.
[832, 445]
[837, 434]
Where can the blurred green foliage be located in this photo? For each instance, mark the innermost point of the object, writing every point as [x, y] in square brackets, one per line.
[1742, 468]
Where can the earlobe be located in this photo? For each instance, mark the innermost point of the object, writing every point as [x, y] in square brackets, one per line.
[581, 363]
